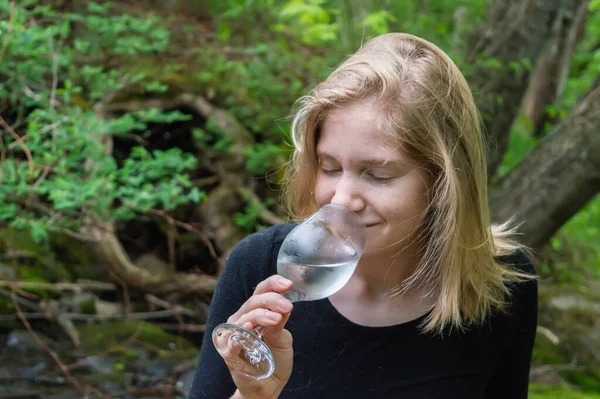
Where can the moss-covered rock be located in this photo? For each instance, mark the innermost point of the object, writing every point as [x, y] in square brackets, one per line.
[29, 254]
[572, 316]
[60, 258]
[7, 308]
[97, 338]
[78, 258]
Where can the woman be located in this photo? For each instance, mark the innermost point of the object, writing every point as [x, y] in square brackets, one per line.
[442, 304]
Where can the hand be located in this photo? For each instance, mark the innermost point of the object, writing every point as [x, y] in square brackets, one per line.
[268, 308]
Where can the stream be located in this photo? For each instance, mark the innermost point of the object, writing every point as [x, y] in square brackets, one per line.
[130, 369]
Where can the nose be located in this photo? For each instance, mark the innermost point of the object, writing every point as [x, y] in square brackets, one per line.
[348, 194]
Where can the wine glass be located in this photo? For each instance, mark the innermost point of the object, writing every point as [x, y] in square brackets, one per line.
[318, 256]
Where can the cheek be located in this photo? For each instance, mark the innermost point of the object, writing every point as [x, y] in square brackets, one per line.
[322, 192]
[408, 201]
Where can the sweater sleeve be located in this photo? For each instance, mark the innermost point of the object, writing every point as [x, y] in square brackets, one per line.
[245, 267]
[510, 378]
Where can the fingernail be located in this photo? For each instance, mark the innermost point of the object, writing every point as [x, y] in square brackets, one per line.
[284, 282]
[272, 315]
[285, 305]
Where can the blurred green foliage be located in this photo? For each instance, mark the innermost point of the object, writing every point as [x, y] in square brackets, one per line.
[551, 392]
[55, 82]
[264, 55]
[57, 70]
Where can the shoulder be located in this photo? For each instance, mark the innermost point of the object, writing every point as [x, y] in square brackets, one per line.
[523, 293]
[518, 261]
[252, 259]
[258, 250]
[263, 242]
[515, 324]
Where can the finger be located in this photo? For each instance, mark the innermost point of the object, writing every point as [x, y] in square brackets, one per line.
[271, 301]
[274, 283]
[273, 335]
[260, 317]
[276, 329]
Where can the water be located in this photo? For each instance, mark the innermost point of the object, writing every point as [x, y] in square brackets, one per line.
[314, 282]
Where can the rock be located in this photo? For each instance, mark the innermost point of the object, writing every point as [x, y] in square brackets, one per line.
[95, 338]
[22, 341]
[64, 395]
[161, 368]
[567, 302]
[32, 372]
[105, 308]
[572, 314]
[153, 264]
[33, 256]
[79, 302]
[185, 382]
[142, 357]
[99, 364]
[7, 272]
[110, 386]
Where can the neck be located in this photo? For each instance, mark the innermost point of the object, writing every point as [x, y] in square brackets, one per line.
[379, 275]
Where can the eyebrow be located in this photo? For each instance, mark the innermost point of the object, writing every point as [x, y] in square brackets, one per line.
[367, 162]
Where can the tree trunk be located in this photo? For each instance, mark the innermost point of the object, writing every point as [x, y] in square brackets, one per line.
[557, 179]
[515, 31]
[549, 79]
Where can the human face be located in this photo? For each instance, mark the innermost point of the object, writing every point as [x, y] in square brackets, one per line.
[369, 174]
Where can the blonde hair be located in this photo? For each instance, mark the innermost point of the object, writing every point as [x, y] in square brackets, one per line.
[426, 104]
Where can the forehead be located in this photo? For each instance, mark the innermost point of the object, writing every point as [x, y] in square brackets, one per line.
[353, 131]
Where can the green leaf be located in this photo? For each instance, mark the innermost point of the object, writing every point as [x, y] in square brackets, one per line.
[556, 244]
[223, 32]
[38, 231]
[8, 211]
[156, 115]
[156, 87]
[96, 8]
[196, 195]
[493, 63]
[378, 22]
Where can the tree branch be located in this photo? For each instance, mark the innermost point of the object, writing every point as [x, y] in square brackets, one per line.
[118, 262]
[264, 214]
[166, 305]
[557, 178]
[52, 354]
[14, 134]
[550, 76]
[9, 30]
[515, 31]
[92, 285]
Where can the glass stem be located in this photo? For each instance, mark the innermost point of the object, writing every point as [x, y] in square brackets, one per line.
[291, 296]
[258, 331]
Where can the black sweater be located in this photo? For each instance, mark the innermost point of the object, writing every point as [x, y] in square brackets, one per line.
[336, 358]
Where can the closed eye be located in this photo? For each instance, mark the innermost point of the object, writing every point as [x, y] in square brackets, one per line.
[378, 179]
[326, 171]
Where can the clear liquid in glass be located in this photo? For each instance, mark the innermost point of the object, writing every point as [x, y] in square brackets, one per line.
[312, 282]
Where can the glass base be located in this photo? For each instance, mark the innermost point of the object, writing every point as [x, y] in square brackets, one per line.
[243, 351]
